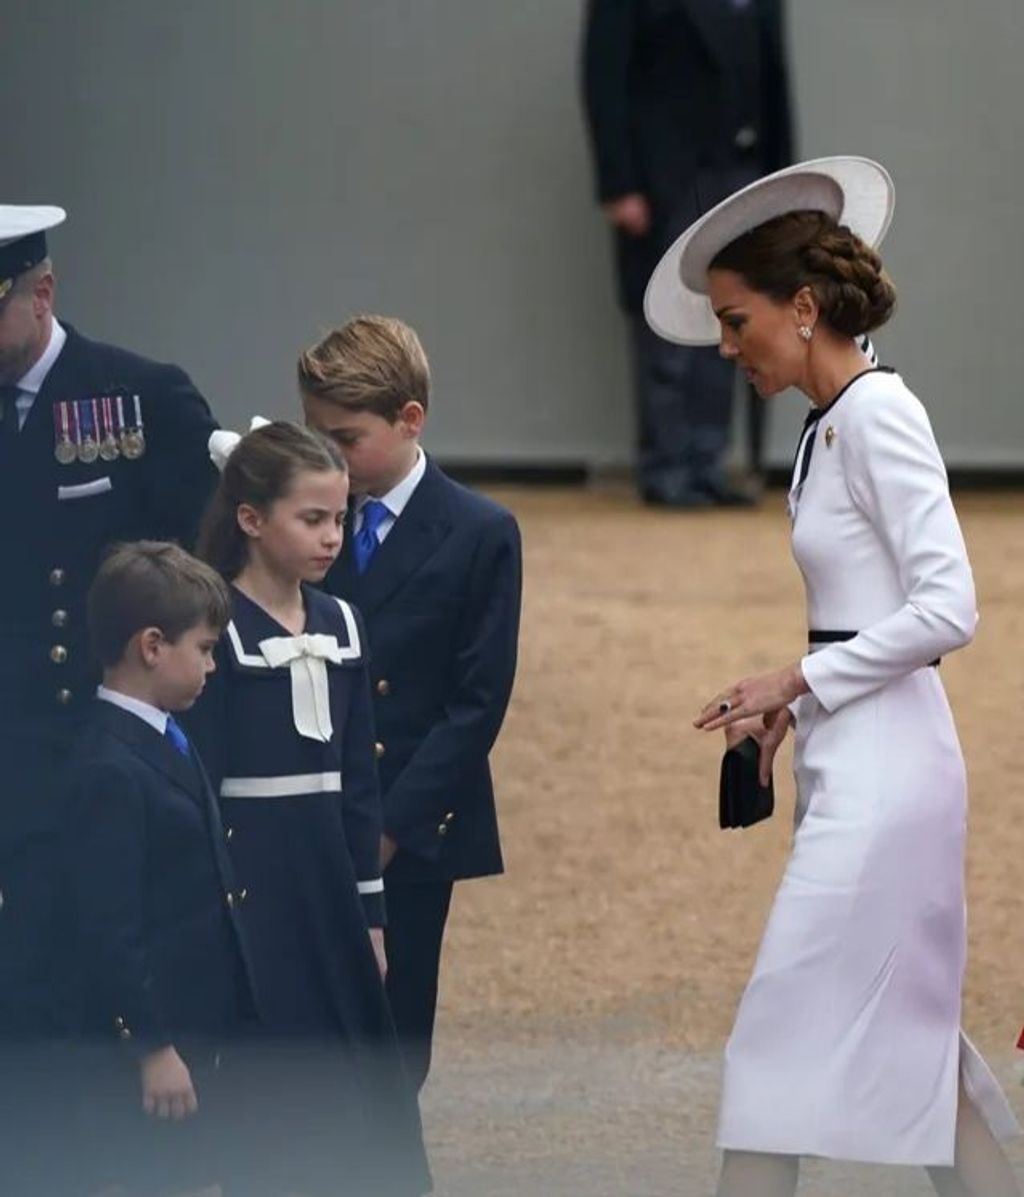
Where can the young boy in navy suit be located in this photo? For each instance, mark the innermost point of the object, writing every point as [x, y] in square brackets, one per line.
[436, 571]
[159, 957]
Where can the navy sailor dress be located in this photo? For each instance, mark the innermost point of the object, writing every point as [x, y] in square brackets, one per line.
[285, 728]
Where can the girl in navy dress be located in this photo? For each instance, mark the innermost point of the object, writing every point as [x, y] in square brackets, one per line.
[286, 733]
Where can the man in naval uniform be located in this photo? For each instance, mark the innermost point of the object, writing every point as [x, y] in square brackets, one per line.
[686, 100]
[97, 445]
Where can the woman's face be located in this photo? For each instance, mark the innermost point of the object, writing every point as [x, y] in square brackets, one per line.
[758, 333]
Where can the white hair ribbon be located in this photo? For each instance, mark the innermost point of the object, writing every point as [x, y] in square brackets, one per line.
[222, 442]
[306, 657]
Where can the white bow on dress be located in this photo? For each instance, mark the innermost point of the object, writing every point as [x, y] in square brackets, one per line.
[306, 656]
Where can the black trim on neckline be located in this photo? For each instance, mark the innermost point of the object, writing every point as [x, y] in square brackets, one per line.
[814, 416]
[820, 411]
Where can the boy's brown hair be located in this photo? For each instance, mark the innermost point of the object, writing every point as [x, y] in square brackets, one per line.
[372, 363]
[152, 584]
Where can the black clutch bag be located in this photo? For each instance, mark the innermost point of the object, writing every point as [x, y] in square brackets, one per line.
[742, 800]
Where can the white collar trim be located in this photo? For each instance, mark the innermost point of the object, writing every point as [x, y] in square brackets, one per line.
[150, 714]
[397, 498]
[32, 380]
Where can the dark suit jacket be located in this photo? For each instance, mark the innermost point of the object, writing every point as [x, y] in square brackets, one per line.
[658, 97]
[441, 602]
[158, 949]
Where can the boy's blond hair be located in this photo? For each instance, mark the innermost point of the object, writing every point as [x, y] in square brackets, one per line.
[372, 363]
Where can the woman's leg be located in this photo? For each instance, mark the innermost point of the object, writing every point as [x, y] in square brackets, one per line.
[757, 1174]
[980, 1168]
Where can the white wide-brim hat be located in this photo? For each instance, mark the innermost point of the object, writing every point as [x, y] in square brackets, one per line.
[857, 192]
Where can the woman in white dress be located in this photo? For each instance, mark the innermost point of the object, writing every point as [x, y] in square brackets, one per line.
[847, 1043]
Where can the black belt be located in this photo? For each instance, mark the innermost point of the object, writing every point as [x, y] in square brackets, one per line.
[827, 636]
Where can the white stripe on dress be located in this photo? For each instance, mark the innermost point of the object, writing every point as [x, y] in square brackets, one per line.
[292, 785]
[371, 887]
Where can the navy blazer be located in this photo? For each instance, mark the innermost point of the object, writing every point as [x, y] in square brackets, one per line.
[159, 953]
[440, 601]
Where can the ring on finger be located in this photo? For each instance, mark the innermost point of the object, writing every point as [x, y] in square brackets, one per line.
[724, 707]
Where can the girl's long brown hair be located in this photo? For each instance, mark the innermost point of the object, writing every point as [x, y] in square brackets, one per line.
[259, 471]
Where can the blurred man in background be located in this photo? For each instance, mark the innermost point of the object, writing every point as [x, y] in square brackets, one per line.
[686, 100]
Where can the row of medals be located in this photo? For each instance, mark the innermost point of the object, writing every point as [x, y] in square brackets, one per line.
[126, 441]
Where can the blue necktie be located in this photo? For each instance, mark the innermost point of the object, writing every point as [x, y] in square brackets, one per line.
[176, 736]
[366, 542]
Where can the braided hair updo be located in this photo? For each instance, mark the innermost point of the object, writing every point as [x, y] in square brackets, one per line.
[810, 249]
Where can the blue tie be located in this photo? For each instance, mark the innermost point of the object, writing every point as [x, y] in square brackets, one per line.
[366, 542]
[176, 736]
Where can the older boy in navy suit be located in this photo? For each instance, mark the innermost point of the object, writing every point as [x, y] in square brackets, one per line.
[436, 572]
[160, 960]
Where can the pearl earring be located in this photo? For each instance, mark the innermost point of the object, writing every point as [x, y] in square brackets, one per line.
[805, 331]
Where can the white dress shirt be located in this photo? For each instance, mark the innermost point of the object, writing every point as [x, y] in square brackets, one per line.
[156, 718]
[31, 382]
[395, 500]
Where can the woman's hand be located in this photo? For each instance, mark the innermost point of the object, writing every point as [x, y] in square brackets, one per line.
[776, 724]
[737, 732]
[753, 696]
[768, 730]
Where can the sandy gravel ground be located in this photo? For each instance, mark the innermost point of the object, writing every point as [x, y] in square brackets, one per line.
[587, 994]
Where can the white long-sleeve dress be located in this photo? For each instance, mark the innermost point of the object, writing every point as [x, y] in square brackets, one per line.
[847, 1043]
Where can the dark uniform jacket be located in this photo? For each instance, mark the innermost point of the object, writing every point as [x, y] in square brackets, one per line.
[55, 521]
[441, 601]
[669, 87]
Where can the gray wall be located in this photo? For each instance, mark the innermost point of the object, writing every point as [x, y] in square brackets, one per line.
[932, 89]
[241, 174]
